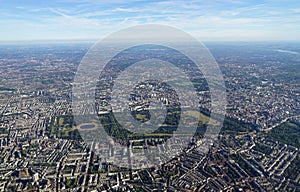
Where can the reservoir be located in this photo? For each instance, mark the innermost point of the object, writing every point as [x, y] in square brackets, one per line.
[87, 126]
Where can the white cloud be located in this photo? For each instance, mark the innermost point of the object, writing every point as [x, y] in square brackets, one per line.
[255, 21]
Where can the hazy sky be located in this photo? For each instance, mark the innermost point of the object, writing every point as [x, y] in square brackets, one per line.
[205, 19]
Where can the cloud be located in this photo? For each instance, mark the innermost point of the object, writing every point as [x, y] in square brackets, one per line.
[295, 10]
[243, 10]
[88, 18]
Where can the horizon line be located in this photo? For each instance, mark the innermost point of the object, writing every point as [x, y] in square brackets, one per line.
[96, 40]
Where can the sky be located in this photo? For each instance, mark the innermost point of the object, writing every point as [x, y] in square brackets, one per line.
[208, 20]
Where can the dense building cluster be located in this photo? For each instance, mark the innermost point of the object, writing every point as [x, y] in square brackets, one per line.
[41, 149]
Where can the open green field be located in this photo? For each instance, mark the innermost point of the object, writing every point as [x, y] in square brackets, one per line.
[64, 126]
[288, 133]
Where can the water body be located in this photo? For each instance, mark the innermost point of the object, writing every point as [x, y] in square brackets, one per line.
[88, 126]
[286, 51]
